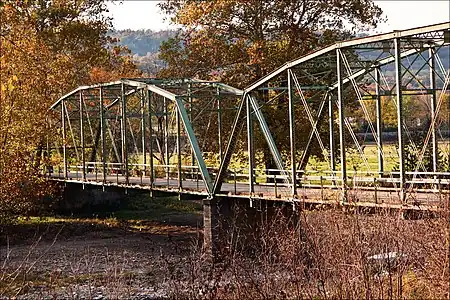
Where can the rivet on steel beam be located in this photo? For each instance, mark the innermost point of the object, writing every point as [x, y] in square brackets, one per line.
[447, 36]
[386, 46]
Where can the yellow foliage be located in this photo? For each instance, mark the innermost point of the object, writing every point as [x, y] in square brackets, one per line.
[47, 49]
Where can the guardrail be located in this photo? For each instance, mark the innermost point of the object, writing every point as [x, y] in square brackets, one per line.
[268, 181]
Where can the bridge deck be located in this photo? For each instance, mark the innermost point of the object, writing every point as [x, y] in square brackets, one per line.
[313, 194]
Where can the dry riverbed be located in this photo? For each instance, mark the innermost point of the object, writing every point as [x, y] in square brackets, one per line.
[92, 258]
[151, 250]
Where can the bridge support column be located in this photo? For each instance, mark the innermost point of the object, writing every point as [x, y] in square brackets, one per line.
[191, 119]
[150, 136]
[379, 122]
[144, 102]
[292, 136]
[340, 100]
[219, 124]
[179, 164]
[433, 107]
[124, 136]
[209, 224]
[83, 158]
[398, 91]
[251, 148]
[331, 129]
[102, 128]
[166, 140]
[232, 225]
[213, 210]
[64, 141]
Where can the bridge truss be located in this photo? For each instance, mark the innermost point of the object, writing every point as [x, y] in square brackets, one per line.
[199, 136]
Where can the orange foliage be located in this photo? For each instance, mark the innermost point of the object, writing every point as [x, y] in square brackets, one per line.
[47, 48]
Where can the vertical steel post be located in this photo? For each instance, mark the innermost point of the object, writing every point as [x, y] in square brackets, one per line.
[292, 134]
[321, 187]
[251, 154]
[47, 162]
[398, 90]
[433, 108]
[124, 132]
[143, 129]
[83, 158]
[235, 185]
[180, 182]
[331, 128]
[150, 134]
[63, 125]
[275, 185]
[219, 124]
[166, 140]
[102, 128]
[191, 120]
[379, 122]
[375, 190]
[341, 124]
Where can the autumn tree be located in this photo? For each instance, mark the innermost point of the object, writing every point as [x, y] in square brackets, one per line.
[239, 41]
[46, 49]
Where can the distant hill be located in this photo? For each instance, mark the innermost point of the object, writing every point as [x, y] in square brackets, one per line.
[144, 44]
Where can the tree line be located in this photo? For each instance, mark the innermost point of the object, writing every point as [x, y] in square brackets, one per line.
[47, 49]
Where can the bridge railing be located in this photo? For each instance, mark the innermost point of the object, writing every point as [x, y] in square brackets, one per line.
[267, 183]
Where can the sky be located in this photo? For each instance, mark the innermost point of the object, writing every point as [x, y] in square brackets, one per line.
[401, 14]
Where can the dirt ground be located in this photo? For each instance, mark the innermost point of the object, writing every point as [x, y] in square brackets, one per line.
[95, 258]
[151, 250]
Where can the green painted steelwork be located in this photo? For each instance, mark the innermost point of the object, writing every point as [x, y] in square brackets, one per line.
[149, 112]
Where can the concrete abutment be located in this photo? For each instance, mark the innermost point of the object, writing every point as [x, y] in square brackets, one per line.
[237, 224]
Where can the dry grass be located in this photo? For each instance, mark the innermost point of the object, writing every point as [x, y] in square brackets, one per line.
[266, 253]
[322, 254]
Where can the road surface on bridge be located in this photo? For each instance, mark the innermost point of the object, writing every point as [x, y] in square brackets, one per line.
[309, 193]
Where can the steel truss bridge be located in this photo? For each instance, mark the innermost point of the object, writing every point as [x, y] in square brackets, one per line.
[204, 137]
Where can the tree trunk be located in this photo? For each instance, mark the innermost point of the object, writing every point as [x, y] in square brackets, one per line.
[38, 155]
